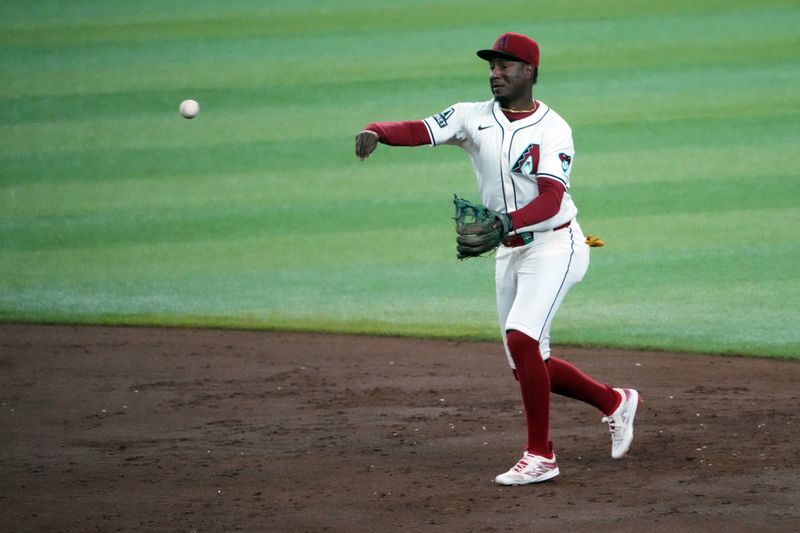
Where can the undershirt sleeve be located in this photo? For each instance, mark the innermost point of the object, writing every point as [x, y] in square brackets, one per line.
[404, 133]
[544, 206]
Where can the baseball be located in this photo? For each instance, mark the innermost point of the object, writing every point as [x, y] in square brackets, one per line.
[189, 108]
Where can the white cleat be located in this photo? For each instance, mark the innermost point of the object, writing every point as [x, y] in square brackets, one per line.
[620, 423]
[530, 469]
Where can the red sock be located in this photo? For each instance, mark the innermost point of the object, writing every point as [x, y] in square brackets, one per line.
[567, 380]
[534, 383]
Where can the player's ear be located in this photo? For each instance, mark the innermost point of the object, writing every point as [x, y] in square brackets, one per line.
[530, 70]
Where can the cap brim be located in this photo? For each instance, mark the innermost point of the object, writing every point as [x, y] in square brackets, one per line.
[490, 54]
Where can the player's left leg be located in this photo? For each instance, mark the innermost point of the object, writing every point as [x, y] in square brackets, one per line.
[619, 405]
[567, 380]
[620, 422]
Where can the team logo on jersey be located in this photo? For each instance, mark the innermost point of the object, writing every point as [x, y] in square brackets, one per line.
[528, 162]
[441, 118]
[565, 161]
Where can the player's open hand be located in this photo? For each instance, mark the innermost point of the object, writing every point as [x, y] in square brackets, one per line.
[366, 142]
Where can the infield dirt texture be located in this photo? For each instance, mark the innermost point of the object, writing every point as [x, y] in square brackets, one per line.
[119, 429]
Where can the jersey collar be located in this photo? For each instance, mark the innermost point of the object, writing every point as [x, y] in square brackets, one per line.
[527, 121]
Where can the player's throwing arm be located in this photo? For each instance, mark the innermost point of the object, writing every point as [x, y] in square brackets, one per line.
[366, 142]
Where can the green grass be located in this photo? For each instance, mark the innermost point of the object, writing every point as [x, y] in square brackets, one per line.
[115, 210]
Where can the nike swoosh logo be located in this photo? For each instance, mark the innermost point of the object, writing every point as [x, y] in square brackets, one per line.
[480, 128]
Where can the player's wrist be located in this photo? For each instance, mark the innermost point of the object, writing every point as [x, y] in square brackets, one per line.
[504, 224]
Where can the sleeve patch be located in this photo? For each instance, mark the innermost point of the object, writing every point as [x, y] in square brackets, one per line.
[566, 160]
[441, 118]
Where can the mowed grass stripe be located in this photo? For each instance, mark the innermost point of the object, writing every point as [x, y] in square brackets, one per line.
[696, 142]
[678, 40]
[276, 196]
[112, 20]
[116, 210]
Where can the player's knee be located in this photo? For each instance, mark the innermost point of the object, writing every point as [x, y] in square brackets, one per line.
[521, 346]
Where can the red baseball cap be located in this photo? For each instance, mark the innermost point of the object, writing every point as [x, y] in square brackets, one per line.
[514, 46]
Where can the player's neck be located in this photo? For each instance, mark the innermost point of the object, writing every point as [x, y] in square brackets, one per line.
[519, 105]
[524, 110]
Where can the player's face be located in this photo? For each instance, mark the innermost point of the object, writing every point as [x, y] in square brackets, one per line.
[509, 80]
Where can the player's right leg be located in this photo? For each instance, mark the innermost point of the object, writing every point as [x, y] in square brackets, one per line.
[538, 462]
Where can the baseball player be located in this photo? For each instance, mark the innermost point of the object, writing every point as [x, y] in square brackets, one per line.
[522, 153]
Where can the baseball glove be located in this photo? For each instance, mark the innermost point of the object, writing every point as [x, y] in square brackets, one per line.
[478, 228]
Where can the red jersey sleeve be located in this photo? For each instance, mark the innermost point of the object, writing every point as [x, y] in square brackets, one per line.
[405, 133]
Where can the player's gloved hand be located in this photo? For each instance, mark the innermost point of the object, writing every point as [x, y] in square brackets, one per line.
[478, 228]
[366, 142]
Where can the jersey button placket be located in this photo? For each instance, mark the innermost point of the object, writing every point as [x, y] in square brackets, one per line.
[505, 166]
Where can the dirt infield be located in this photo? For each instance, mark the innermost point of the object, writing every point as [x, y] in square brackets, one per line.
[126, 429]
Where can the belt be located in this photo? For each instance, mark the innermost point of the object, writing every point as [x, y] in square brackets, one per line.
[526, 237]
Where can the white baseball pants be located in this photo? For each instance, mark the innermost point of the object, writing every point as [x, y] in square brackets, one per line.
[532, 280]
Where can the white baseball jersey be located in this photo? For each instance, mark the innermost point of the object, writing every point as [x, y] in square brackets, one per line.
[531, 280]
[508, 156]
